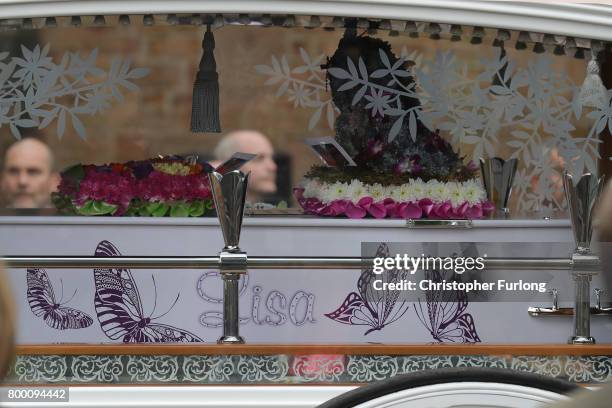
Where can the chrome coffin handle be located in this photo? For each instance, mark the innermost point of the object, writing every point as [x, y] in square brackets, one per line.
[555, 310]
[598, 310]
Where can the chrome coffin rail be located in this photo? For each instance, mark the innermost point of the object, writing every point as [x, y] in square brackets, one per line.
[252, 262]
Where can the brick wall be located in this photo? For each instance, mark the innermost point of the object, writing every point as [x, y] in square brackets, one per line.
[156, 119]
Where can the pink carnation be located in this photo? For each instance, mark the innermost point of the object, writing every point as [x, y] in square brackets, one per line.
[158, 186]
[389, 208]
[110, 187]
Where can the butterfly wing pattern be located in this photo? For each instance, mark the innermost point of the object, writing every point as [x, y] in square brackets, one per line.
[161, 333]
[119, 308]
[370, 307]
[43, 304]
[446, 319]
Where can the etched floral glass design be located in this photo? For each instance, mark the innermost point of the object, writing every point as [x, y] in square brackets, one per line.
[36, 91]
[529, 111]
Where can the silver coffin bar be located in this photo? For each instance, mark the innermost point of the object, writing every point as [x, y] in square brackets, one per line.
[253, 262]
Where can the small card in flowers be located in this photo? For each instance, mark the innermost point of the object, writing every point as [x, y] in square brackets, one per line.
[330, 152]
[235, 162]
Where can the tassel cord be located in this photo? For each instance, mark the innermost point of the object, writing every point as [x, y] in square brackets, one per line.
[205, 104]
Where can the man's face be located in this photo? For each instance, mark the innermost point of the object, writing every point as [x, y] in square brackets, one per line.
[27, 181]
[263, 168]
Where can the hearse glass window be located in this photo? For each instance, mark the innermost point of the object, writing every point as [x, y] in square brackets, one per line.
[361, 115]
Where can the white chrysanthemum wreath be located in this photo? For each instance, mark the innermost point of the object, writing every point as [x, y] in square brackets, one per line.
[415, 199]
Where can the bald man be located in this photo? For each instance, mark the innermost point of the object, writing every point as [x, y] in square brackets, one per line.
[28, 178]
[262, 180]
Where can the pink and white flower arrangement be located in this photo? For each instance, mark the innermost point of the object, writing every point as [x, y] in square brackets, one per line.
[415, 199]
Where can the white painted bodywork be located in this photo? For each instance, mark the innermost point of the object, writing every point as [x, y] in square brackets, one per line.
[577, 20]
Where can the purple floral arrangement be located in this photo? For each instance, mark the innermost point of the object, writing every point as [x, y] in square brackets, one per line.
[156, 187]
[415, 174]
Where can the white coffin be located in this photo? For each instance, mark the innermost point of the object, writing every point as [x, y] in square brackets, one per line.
[267, 298]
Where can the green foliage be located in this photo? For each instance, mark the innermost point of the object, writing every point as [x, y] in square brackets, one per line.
[93, 207]
[197, 208]
[63, 203]
[156, 209]
[180, 209]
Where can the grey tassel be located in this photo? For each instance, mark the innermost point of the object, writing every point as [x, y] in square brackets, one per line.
[197, 19]
[559, 50]
[50, 22]
[503, 35]
[385, 25]
[456, 32]
[411, 27]
[124, 19]
[244, 19]
[27, 24]
[289, 21]
[315, 22]
[172, 19]
[205, 105]
[75, 21]
[266, 20]
[434, 31]
[549, 39]
[148, 20]
[522, 40]
[593, 92]
[99, 21]
[538, 48]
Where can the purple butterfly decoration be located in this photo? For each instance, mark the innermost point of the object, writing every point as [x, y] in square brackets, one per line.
[370, 307]
[446, 319]
[119, 308]
[43, 304]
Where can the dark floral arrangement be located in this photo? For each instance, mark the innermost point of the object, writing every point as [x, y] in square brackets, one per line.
[362, 130]
[381, 163]
[158, 187]
[435, 181]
